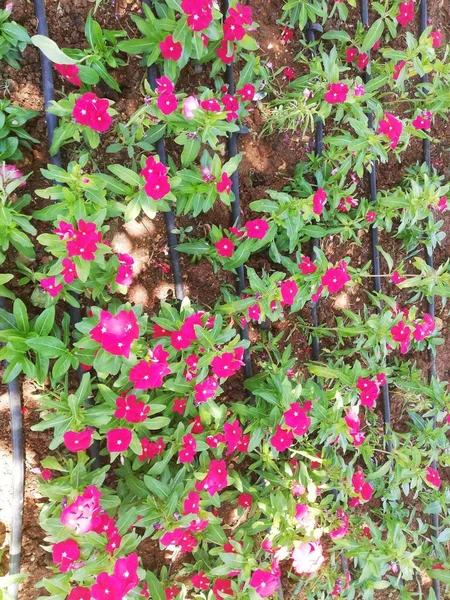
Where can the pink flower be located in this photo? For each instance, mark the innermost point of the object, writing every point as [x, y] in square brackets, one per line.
[297, 419]
[233, 29]
[264, 582]
[398, 69]
[167, 103]
[433, 478]
[188, 450]
[392, 128]
[69, 272]
[170, 49]
[191, 504]
[70, 73]
[231, 105]
[179, 405]
[369, 391]
[245, 500]
[363, 61]
[397, 278]
[421, 122]
[211, 105]
[319, 201]
[306, 266]
[425, 328]
[92, 111]
[257, 228]
[164, 85]
[49, 284]
[289, 291]
[9, 173]
[406, 13]
[85, 239]
[124, 275]
[303, 516]
[106, 587]
[200, 581]
[341, 531]
[224, 185]
[336, 93]
[118, 440]
[225, 248]
[76, 442]
[361, 487]
[443, 203]
[199, 14]
[232, 435]
[83, 515]
[190, 105]
[79, 593]
[216, 478]
[354, 423]
[125, 570]
[282, 440]
[205, 390]
[149, 375]
[335, 278]
[307, 557]
[401, 333]
[222, 53]
[222, 589]
[359, 90]
[117, 333]
[436, 36]
[65, 553]
[128, 408]
[288, 72]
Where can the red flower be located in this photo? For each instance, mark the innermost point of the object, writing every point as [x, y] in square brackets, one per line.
[149, 375]
[286, 35]
[216, 478]
[200, 581]
[222, 589]
[233, 29]
[211, 105]
[245, 500]
[363, 61]
[282, 439]
[92, 111]
[131, 410]
[78, 441]
[232, 435]
[307, 266]
[425, 328]
[225, 365]
[257, 228]
[70, 73]
[224, 247]
[406, 13]
[401, 333]
[49, 284]
[350, 54]
[170, 49]
[118, 440]
[436, 36]
[289, 291]
[167, 103]
[222, 53]
[336, 93]
[205, 390]
[319, 201]
[433, 478]
[288, 72]
[224, 185]
[65, 553]
[85, 241]
[369, 391]
[392, 127]
[360, 486]
[179, 405]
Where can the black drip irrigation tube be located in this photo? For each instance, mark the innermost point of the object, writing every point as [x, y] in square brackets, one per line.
[236, 204]
[310, 30]
[169, 218]
[423, 12]
[372, 173]
[18, 478]
[52, 122]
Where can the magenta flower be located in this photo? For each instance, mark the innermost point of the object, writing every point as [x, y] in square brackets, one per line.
[354, 424]
[125, 570]
[398, 69]
[392, 128]
[282, 439]
[247, 91]
[306, 266]
[92, 111]
[232, 436]
[69, 272]
[49, 284]
[224, 185]
[245, 500]
[297, 419]
[205, 390]
[307, 557]
[199, 14]
[369, 391]
[343, 529]
[65, 553]
[211, 105]
[70, 73]
[128, 408]
[190, 105]
[225, 365]
[360, 486]
[257, 228]
[85, 240]
[118, 440]
[191, 504]
[233, 29]
[363, 61]
[425, 328]
[116, 333]
[336, 93]
[421, 122]
[9, 173]
[216, 478]
[401, 334]
[167, 103]
[149, 375]
[303, 516]
[436, 37]
[335, 278]
[289, 291]
[164, 85]
[124, 275]
[107, 587]
[78, 441]
[351, 54]
[225, 248]
[79, 593]
[264, 582]
[170, 49]
[319, 201]
[406, 13]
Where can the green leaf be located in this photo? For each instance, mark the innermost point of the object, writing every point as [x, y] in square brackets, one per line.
[154, 586]
[373, 35]
[44, 322]
[157, 487]
[51, 50]
[21, 315]
[47, 346]
[126, 175]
